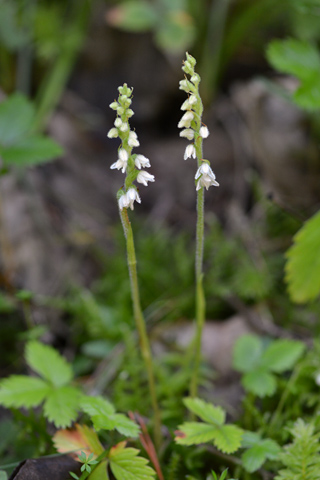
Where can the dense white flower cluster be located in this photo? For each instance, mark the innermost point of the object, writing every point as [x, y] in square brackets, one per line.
[128, 163]
[193, 130]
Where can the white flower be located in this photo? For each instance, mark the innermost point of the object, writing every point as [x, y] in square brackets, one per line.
[123, 202]
[124, 127]
[204, 132]
[113, 133]
[142, 161]
[118, 122]
[126, 200]
[183, 85]
[114, 105]
[190, 152]
[132, 195]
[133, 140]
[195, 78]
[192, 99]
[186, 120]
[122, 161]
[187, 133]
[205, 177]
[145, 177]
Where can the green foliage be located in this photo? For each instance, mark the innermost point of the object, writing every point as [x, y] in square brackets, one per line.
[61, 401]
[86, 462]
[226, 438]
[104, 416]
[303, 263]
[301, 59]
[172, 25]
[258, 451]
[258, 362]
[3, 475]
[301, 458]
[12, 35]
[125, 464]
[18, 144]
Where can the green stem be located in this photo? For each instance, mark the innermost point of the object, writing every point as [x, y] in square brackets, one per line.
[140, 322]
[284, 397]
[200, 298]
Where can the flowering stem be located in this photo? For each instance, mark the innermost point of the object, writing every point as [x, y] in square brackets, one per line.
[140, 322]
[200, 298]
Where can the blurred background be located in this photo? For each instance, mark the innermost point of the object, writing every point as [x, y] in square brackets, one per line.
[63, 272]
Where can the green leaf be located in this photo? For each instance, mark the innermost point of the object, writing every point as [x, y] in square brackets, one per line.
[281, 355]
[22, 391]
[127, 465]
[228, 438]
[3, 475]
[31, 151]
[48, 363]
[297, 57]
[303, 262]
[193, 433]
[176, 32]
[247, 353]
[260, 382]
[62, 405]
[307, 96]
[134, 16]
[255, 457]
[206, 411]
[103, 416]
[16, 115]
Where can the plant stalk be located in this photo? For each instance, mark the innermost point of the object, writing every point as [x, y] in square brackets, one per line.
[140, 322]
[200, 298]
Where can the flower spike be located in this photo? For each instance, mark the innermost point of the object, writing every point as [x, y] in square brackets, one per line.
[128, 163]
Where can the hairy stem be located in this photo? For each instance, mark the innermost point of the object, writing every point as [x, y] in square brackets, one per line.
[140, 322]
[200, 298]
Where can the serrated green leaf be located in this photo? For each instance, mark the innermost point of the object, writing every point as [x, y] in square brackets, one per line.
[22, 391]
[303, 263]
[228, 438]
[127, 465]
[206, 411]
[62, 405]
[281, 355]
[193, 433]
[255, 457]
[103, 416]
[297, 57]
[31, 151]
[48, 363]
[16, 115]
[247, 353]
[134, 16]
[260, 382]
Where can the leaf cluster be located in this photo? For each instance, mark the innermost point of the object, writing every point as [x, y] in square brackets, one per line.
[61, 401]
[226, 438]
[260, 362]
